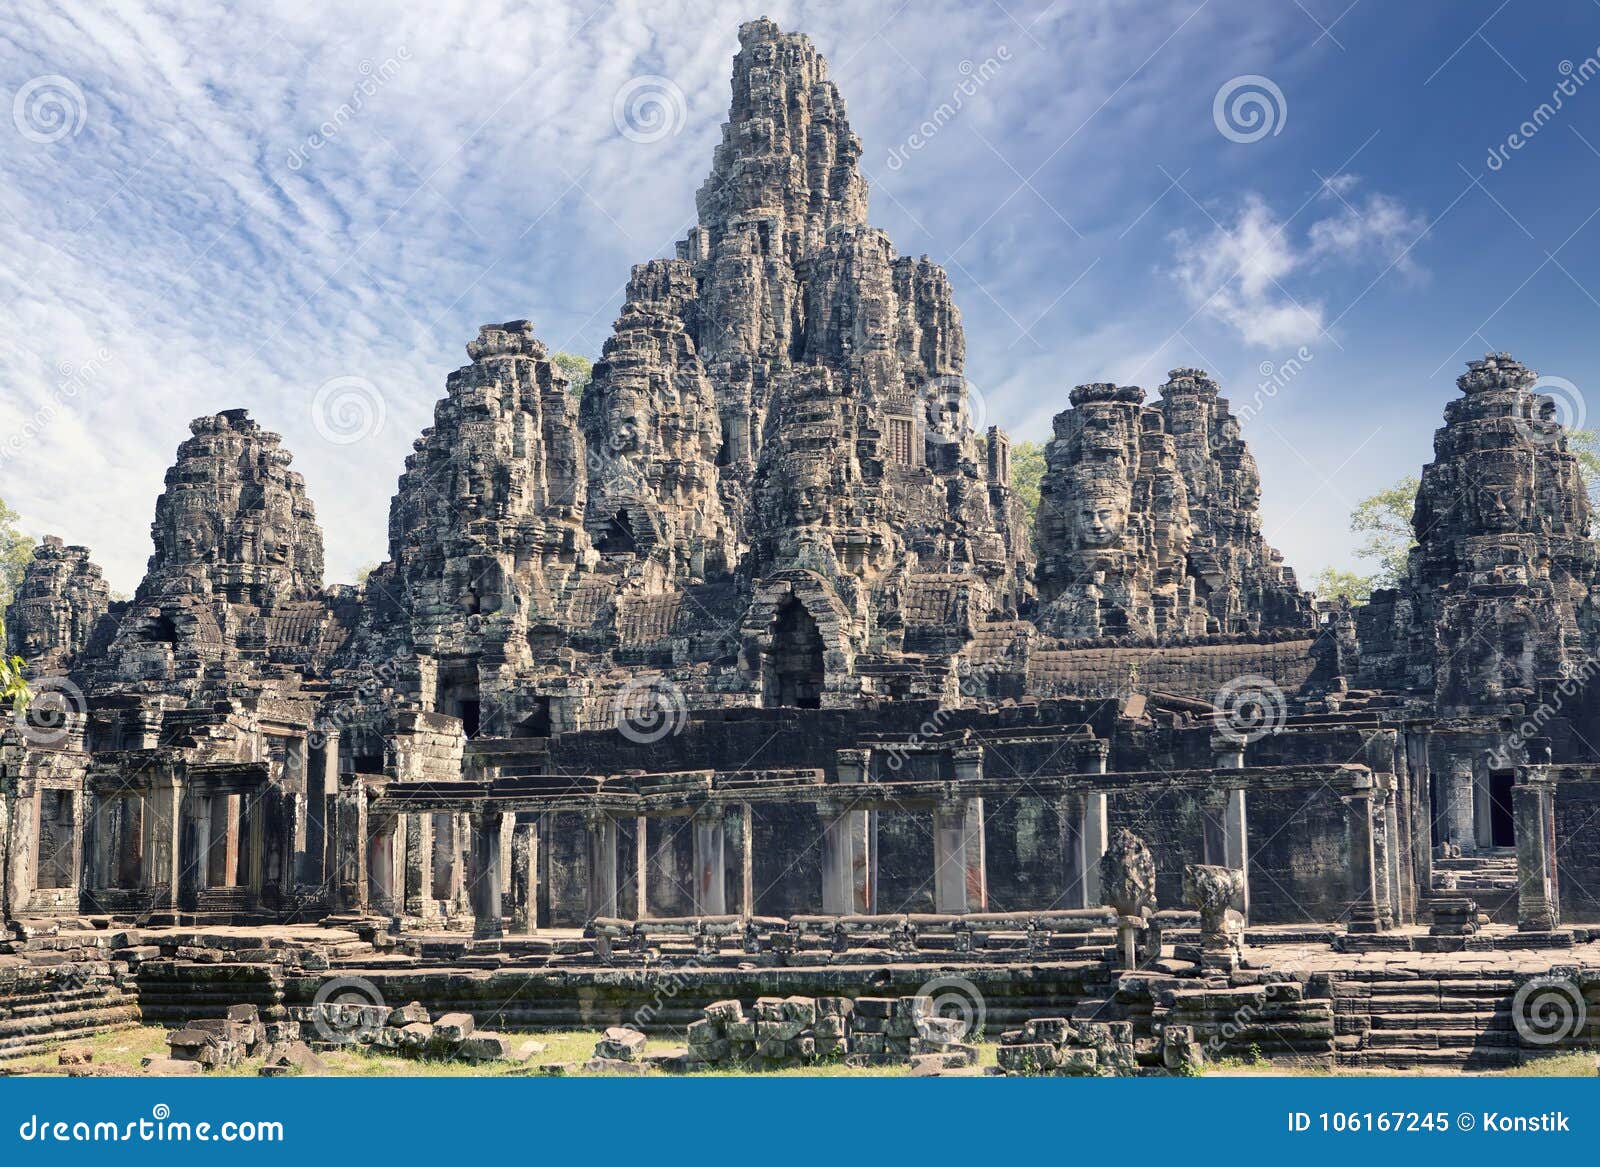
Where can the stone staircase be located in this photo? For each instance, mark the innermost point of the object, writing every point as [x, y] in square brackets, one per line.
[1489, 878]
[42, 1005]
[1445, 1019]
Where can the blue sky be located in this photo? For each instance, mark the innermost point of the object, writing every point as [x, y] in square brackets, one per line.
[175, 239]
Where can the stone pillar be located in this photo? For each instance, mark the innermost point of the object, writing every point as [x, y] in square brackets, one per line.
[320, 785]
[419, 901]
[1225, 823]
[710, 862]
[842, 842]
[189, 861]
[230, 807]
[383, 892]
[1457, 789]
[602, 883]
[968, 766]
[747, 861]
[951, 890]
[1382, 890]
[1418, 771]
[641, 867]
[1533, 800]
[486, 881]
[350, 845]
[525, 878]
[161, 834]
[1366, 912]
[1084, 829]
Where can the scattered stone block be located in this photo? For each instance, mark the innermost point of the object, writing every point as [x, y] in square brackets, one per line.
[621, 1044]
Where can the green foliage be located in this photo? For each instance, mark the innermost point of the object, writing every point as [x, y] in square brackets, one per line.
[1385, 520]
[1332, 584]
[1586, 445]
[16, 551]
[13, 681]
[1027, 471]
[578, 369]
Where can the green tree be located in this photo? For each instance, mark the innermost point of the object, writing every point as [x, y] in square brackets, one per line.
[1385, 521]
[578, 369]
[13, 681]
[1586, 445]
[1027, 471]
[16, 551]
[1332, 584]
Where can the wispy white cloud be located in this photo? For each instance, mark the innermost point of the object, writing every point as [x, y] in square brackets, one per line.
[1240, 273]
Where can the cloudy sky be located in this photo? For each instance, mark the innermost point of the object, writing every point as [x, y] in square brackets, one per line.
[1330, 205]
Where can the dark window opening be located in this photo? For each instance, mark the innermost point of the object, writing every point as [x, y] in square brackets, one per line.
[795, 668]
[163, 631]
[537, 723]
[458, 697]
[1502, 818]
[617, 538]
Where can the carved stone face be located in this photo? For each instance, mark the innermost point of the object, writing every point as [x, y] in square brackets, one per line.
[274, 548]
[193, 535]
[1100, 520]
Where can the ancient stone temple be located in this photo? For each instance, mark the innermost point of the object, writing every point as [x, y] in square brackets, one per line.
[60, 606]
[744, 656]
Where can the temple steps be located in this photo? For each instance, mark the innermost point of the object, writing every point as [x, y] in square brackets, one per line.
[1462, 1022]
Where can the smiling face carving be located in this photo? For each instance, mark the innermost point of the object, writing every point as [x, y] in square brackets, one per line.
[1100, 520]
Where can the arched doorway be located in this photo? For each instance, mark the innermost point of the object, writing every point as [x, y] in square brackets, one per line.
[618, 538]
[794, 670]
